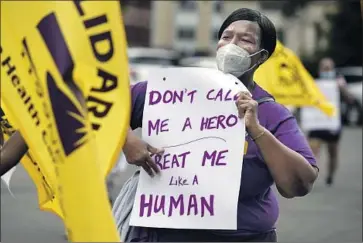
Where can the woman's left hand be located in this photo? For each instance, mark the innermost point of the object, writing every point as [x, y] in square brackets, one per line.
[248, 109]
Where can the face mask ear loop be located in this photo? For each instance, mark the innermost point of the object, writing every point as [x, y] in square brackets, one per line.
[268, 53]
[254, 65]
[259, 62]
[257, 52]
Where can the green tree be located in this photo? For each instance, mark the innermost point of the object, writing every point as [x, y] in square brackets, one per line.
[344, 38]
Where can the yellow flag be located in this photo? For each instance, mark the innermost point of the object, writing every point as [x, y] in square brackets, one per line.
[285, 77]
[108, 109]
[44, 182]
[50, 56]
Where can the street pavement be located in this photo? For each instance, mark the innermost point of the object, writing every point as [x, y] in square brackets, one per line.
[327, 214]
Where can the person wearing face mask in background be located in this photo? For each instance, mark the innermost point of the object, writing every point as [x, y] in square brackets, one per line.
[278, 152]
[331, 138]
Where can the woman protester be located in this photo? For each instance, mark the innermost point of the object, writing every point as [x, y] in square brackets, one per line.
[278, 152]
[331, 138]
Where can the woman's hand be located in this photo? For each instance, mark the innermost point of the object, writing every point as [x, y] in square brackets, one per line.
[248, 109]
[292, 173]
[12, 152]
[139, 153]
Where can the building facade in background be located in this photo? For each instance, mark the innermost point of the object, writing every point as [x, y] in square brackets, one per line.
[188, 26]
[136, 17]
[192, 26]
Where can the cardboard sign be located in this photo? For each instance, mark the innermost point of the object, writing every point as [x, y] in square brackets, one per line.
[314, 119]
[191, 113]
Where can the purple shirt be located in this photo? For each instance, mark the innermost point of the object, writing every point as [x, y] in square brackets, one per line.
[257, 206]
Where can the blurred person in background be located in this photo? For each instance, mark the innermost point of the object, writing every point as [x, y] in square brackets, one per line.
[331, 138]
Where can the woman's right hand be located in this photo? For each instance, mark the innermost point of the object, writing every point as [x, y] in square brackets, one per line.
[138, 152]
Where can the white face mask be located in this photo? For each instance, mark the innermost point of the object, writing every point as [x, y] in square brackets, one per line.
[328, 75]
[234, 60]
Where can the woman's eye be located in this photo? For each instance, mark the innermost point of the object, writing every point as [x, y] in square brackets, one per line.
[247, 40]
[225, 37]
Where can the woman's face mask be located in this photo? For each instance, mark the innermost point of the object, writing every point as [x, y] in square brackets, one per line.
[328, 74]
[234, 60]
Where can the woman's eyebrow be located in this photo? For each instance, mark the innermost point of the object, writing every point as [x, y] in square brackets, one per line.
[227, 32]
[244, 33]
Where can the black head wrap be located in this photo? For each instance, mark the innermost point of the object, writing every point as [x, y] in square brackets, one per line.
[268, 31]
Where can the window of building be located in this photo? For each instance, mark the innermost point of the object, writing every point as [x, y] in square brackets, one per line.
[218, 6]
[272, 5]
[136, 3]
[188, 5]
[186, 33]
